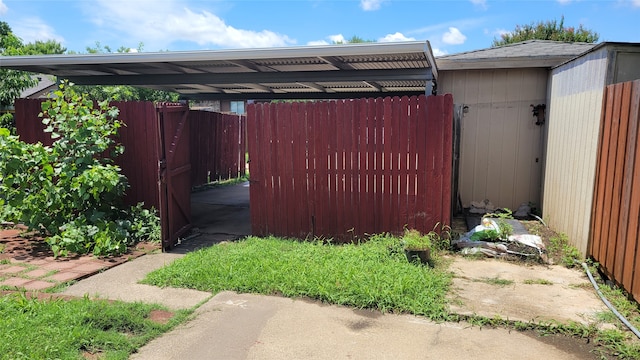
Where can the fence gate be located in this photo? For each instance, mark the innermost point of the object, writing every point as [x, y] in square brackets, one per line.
[175, 172]
[348, 168]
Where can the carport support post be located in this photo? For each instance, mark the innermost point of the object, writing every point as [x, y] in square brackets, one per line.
[431, 87]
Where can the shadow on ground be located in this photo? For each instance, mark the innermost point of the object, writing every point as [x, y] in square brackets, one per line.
[217, 214]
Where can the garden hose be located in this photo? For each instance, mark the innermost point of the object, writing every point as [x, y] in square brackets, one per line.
[609, 305]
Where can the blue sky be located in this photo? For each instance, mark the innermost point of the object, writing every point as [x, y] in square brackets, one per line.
[450, 26]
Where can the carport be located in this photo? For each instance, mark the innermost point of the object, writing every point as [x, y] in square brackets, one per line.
[350, 71]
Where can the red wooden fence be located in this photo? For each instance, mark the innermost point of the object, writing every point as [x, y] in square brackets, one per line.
[218, 146]
[348, 168]
[616, 206]
[139, 163]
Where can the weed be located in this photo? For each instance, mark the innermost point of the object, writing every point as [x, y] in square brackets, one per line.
[618, 343]
[537, 282]
[569, 254]
[2, 247]
[504, 213]
[584, 285]
[5, 261]
[496, 281]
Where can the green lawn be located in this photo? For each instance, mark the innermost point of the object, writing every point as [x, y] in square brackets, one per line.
[69, 329]
[373, 275]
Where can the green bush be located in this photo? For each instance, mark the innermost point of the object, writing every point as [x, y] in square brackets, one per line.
[71, 191]
[7, 122]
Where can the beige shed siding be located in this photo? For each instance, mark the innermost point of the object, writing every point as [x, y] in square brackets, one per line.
[500, 142]
[572, 145]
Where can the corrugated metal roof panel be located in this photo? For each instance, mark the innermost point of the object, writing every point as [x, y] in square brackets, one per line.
[247, 70]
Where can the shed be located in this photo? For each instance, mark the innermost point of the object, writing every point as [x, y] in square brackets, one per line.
[575, 137]
[501, 147]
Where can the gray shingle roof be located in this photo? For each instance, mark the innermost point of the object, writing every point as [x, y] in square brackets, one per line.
[530, 53]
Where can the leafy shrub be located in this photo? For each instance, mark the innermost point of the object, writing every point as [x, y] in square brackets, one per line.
[71, 191]
[7, 122]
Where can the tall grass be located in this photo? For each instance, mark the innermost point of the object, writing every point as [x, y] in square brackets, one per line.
[375, 274]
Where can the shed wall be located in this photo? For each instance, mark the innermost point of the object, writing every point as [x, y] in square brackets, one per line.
[573, 126]
[501, 147]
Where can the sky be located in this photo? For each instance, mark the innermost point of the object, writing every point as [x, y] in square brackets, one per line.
[185, 25]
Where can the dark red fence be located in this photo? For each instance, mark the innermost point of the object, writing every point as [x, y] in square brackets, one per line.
[347, 168]
[218, 146]
[615, 223]
[139, 162]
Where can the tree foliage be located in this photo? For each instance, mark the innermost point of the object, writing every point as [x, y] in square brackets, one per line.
[354, 40]
[123, 92]
[548, 30]
[11, 82]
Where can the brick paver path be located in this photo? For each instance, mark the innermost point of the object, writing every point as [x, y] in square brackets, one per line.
[27, 263]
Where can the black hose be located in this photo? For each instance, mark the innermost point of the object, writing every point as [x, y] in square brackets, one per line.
[606, 302]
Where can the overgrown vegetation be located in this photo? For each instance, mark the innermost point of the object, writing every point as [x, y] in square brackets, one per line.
[374, 274]
[71, 191]
[568, 255]
[76, 329]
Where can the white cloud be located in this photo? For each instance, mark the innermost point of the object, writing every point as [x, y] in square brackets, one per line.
[317, 43]
[496, 32]
[468, 23]
[635, 3]
[3, 8]
[371, 5]
[173, 22]
[337, 38]
[564, 2]
[437, 52]
[453, 37]
[32, 28]
[480, 3]
[395, 37]
[333, 39]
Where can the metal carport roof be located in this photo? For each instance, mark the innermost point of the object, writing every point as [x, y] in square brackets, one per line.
[313, 72]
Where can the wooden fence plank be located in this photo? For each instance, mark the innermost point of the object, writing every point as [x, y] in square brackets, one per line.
[287, 177]
[423, 164]
[322, 165]
[607, 177]
[447, 161]
[624, 166]
[342, 207]
[394, 168]
[403, 162]
[434, 149]
[368, 115]
[631, 267]
[298, 157]
[412, 165]
[603, 147]
[355, 171]
[256, 184]
[386, 163]
[612, 201]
